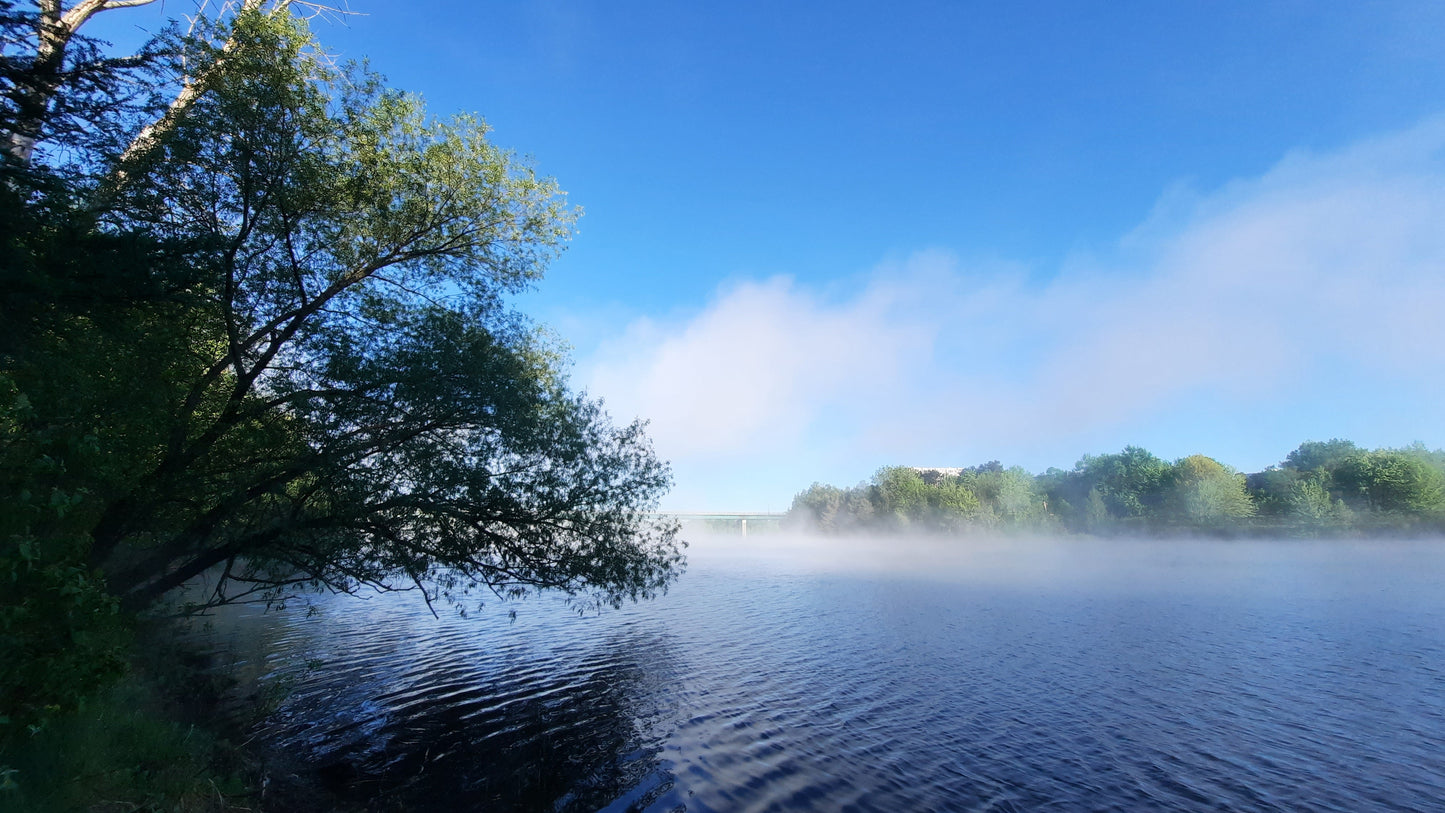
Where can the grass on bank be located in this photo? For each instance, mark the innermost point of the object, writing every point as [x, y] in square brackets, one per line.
[152, 741]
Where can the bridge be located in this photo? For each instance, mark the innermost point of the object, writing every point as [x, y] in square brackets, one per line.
[741, 522]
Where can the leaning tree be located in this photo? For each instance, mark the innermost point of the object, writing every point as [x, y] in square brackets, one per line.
[258, 330]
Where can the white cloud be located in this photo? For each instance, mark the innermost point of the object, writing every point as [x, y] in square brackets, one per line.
[1330, 261]
[756, 365]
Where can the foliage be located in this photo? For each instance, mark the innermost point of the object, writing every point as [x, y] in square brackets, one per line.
[1096, 513]
[1272, 488]
[129, 747]
[58, 89]
[952, 504]
[1309, 501]
[903, 498]
[1007, 496]
[1320, 455]
[1393, 481]
[1331, 487]
[1129, 482]
[902, 495]
[820, 506]
[1201, 491]
[1104, 492]
[60, 632]
[897, 497]
[262, 336]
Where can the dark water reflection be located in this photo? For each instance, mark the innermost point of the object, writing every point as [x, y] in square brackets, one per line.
[784, 675]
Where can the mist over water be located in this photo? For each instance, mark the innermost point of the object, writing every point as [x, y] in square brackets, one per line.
[794, 673]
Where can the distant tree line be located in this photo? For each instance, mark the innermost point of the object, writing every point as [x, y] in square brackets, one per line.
[1322, 487]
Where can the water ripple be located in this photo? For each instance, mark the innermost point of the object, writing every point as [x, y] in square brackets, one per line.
[1284, 680]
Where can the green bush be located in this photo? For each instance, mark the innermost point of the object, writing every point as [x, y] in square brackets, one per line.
[121, 750]
[61, 634]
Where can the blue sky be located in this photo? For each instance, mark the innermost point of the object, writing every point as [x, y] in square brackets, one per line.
[825, 237]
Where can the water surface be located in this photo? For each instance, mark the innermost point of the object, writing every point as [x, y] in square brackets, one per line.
[792, 674]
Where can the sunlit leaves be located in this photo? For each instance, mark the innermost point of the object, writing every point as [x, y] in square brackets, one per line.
[1331, 487]
[330, 390]
[1202, 491]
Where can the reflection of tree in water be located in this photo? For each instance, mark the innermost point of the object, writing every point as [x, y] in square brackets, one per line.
[578, 737]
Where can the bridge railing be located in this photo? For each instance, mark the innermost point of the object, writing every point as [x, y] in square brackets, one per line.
[739, 522]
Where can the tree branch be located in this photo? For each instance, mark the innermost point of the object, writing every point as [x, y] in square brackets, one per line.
[151, 135]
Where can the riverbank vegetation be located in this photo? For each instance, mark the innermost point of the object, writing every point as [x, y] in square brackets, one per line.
[1322, 487]
[256, 327]
[167, 734]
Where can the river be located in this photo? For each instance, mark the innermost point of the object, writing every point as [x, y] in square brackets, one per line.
[785, 673]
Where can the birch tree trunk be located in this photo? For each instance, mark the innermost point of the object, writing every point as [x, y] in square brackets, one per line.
[55, 30]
